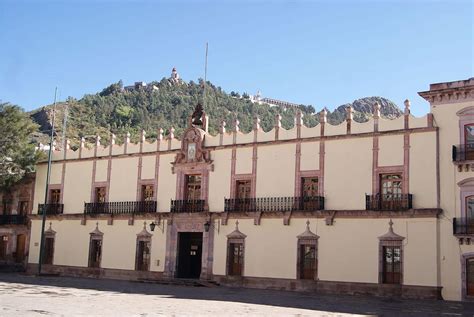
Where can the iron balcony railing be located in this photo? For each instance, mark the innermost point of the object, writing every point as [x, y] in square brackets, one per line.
[196, 205]
[395, 202]
[13, 219]
[463, 152]
[463, 226]
[51, 209]
[120, 207]
[274, 204]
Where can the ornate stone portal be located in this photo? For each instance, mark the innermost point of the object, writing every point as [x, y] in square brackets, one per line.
[192, 159]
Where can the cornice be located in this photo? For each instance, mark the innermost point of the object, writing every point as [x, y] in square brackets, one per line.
[448, 95]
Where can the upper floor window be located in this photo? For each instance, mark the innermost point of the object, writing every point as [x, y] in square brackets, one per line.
[243, 189]
[309, 187]
[100, 195]
[148, 193]
[470, 207]
[193, 187]
[54, 196]
[22, 207]
[469, 141]
[390, 186]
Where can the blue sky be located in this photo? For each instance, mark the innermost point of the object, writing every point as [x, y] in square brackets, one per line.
[311, 52]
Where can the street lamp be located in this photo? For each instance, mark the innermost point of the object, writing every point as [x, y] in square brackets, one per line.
[153, 224]
[208, 225]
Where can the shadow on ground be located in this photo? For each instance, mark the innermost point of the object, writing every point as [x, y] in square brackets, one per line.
[330, 303]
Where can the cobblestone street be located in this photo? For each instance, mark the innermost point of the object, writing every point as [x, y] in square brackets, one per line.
[22, 295]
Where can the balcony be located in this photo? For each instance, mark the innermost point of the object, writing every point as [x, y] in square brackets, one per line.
[120, 207]
[389, 202]
[13, 220]
[463, 226]
[274, 204]
[463, 152]
[197, 205]
[51, 209]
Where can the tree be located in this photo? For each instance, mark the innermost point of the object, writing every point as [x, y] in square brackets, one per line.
[17, 153]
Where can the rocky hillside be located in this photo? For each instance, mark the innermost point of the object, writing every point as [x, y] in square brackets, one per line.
[169, 103]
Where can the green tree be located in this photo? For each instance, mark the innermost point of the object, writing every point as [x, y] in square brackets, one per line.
[17, 152]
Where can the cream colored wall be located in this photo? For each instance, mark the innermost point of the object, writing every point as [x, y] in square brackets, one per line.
[123, 179]
[219, 179]
[339, 129]
[287, 134]
[309, 156]
[391, 150]
[266, 136]
[40, 183]
[348, 173]
[101, 170]
[364, 127]
[166, 183]
[212, 140]
[77, 186]
[149, 147]
[56, 172]
[353, 241]
[450, 251]
[417, 122]
[133, 148]
[244, 138]
[148, 167]
[394, 124]
[118, 249]
[423, 169]
[310, 132]
[276, 165]
[243, 161]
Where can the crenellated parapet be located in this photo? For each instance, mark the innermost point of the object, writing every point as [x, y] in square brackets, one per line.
[166, 141]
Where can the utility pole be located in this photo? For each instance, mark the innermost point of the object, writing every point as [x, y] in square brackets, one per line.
[48, 173]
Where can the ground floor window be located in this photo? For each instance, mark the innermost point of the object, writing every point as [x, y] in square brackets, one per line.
[48, 252]
[95, 252]
[392, 261]
[391, 257]
[308, 261]
[470, 277]
[236, 258]
[143, 255]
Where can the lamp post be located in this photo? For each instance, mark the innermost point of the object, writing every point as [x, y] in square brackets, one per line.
[48, 172]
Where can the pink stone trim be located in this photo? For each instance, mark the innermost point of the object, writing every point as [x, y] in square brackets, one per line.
[232, 172]
[396, 169]
[322, 156]
[375, 163]
[63, 176]
[94, 164]
[297, 169]
[241, 177]
[406, 163]
[254, 170]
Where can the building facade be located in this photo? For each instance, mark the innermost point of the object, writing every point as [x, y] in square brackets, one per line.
[381, 207]
[16, 205]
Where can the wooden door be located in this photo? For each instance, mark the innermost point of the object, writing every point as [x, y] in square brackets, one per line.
[20, 248]
[48, 252]
[143, 256]
[3, 247]
[236, 259]
[392, 265]
[307, 261]
[309, 192]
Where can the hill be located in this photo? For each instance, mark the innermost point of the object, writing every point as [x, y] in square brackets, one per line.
[170, 103]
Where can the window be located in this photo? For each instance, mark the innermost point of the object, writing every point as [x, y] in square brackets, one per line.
[100, 195]
[55, 196]
[95, 252]
[23, 207]
[307, 248]
[469, 141]
[392, 259]
[308, 261]
[143, 255]
[470, 208]
[243, 189]
[6, 207]
[470, 277]
[309, 186]
[193, 187]
[48, 252]
[391, 191]
[148, 193]
[236, 259]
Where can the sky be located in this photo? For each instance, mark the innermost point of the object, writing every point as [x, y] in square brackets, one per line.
[322, 53]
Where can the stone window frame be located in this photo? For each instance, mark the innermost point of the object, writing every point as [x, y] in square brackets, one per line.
[52, 187]
[143, 236]
[466, 189]
[235, 237]
[391, 170]
[94, 191]
[95, 235]
[390, 239]
[49, 234]
[306, 238]
[242, 178]
[141, 184]
[466, 117]
[464, 257]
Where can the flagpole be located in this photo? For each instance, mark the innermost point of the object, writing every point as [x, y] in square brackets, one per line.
[205, 77]
[48, 173]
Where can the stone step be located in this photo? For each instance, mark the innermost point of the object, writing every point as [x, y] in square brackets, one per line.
[181, 282]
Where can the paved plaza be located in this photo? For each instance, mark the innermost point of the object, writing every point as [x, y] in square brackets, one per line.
[22, 295]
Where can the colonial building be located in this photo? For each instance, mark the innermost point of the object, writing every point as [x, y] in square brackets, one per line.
[15, 206]
[362, 208]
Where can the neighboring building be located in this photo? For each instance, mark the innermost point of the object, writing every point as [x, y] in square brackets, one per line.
[272, 102]
[139, 85]
[15, 206]
[363, 208]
